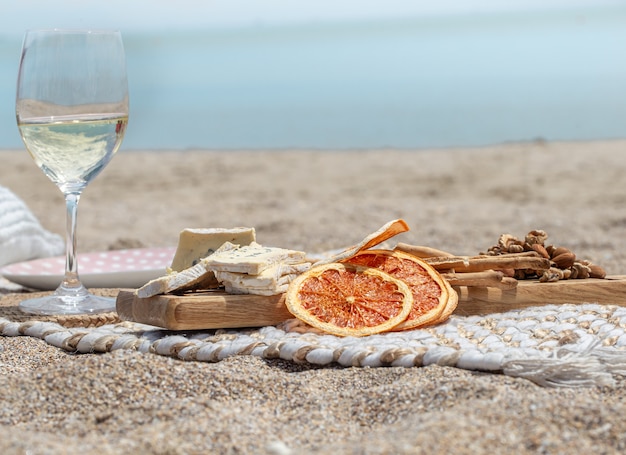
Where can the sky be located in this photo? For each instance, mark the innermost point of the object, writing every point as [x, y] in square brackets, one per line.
[493, 70]
[18, 16]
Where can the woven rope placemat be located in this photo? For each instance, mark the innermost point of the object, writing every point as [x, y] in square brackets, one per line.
[553, 345]
[9, 309]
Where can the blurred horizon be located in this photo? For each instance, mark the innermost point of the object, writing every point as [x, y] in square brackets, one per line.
[347, 74]
[147, 15]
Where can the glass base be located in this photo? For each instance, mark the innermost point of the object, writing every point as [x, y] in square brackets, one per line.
[59, 304]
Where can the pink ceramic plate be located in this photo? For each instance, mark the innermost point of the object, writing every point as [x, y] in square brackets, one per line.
[109, 269]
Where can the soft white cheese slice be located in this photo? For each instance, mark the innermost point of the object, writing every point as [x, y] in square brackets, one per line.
[196, 244]
[193, 278]
[268, 277]
[252, 259]
[250, 284]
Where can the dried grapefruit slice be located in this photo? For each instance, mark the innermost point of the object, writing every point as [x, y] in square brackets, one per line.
[387, 231]
[349, 300]
[453, 301]
[433, 298]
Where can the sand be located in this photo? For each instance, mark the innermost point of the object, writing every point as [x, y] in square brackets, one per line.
[457, 200]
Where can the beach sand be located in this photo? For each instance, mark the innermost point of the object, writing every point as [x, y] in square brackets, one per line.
[458, 200]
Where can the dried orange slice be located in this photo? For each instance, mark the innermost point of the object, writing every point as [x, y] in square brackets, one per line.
[433, 298]
[349, 300]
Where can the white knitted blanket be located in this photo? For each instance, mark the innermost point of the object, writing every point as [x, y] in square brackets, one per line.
[564, 345]
[21, 235]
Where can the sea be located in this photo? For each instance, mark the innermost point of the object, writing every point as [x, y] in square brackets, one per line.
[412, 82]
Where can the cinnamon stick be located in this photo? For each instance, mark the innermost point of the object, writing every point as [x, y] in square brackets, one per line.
[487, 278]
[481, 263]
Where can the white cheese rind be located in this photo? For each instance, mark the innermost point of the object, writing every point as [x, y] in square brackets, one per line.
[196, 277]
[196, 244]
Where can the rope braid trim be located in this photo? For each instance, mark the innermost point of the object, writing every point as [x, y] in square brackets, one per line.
[565, 345]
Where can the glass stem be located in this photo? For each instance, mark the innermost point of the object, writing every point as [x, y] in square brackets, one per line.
[71, 285]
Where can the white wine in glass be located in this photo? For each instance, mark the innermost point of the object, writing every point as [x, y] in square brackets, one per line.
[72, 111]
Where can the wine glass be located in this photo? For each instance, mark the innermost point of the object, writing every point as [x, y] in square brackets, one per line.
[72, 111]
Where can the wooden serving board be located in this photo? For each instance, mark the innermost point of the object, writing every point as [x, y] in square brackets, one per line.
[203, 310]
[215, 309]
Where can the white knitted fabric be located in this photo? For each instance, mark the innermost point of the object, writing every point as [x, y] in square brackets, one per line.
[21, 235]
[554, 345]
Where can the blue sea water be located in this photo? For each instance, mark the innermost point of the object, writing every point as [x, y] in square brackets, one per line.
[405, 83]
